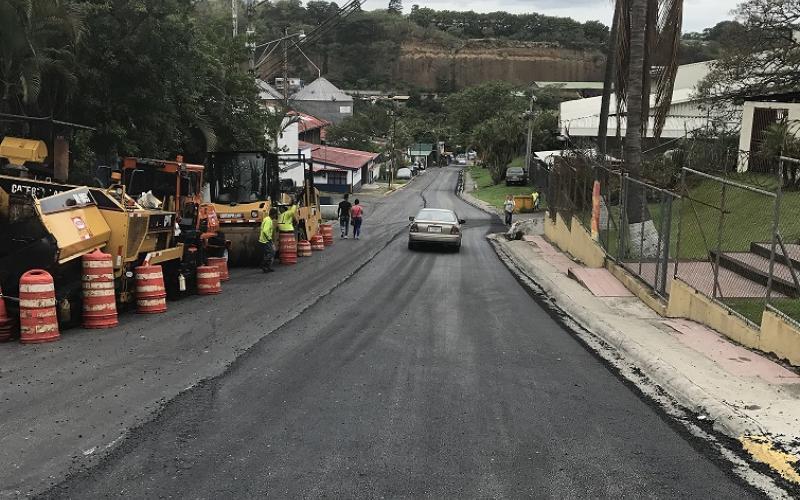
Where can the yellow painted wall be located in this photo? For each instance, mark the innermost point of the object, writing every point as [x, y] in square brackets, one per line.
[637, 288]
[776, 335]
[576, 241]
[686, 302]
[780, 337]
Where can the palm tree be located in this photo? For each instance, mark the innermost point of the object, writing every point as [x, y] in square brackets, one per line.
[37, 53]
[645, 37]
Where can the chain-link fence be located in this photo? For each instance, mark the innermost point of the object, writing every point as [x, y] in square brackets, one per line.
[739, 244]
[647, 233]
[635, 225]
[733, 236]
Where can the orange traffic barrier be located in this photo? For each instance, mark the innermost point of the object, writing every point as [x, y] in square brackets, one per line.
[327, 234]
[304, 248]
[99, 301]
[208, 280]
[6, 323]
[288, 248]
[151, 295]
[37, 308]
[222, 266]
[317, 243]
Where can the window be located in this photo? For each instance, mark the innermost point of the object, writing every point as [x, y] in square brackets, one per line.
[337, 177]
[436, 216]
[345, 110]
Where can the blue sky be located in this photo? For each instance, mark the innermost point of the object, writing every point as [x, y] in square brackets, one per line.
[698, 14]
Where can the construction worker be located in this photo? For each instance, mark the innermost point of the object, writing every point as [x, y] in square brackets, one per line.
[266, 238]
[286, 219]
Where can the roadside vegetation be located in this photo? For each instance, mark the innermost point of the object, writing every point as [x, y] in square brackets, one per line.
[495, 194]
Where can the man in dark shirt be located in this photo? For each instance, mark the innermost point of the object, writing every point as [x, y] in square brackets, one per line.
[343, 213]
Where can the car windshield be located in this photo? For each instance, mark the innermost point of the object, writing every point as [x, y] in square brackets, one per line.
[436, 216]
[514, 170]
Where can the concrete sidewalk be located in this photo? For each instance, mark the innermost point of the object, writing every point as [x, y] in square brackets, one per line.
[747, 396]
[696, 375]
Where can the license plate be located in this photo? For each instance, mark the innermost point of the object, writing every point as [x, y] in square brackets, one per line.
[434, 229]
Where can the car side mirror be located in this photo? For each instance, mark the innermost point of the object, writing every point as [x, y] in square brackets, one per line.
[411, 219]
[462, 221]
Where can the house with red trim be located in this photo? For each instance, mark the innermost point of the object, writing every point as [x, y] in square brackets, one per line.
[310, 128]
[340, 170]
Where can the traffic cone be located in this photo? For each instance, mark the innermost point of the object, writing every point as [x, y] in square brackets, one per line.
[6, 323]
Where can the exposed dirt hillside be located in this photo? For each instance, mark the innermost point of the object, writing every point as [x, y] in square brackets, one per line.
[436, 67]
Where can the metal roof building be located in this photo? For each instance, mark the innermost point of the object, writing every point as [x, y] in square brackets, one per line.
[324, 100]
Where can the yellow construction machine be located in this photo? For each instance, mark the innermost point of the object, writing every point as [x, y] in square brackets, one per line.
[47, 225]
[244, 185]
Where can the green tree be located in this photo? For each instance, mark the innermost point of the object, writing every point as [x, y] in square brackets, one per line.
[395, 7]
[38, 39]
[762, 56]
[157, 80]
[471, 106]
[499, 139]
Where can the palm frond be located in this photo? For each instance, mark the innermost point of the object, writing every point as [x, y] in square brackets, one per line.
[622, 52]
[666, 51]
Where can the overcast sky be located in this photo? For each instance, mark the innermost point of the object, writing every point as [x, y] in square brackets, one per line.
[698, 14]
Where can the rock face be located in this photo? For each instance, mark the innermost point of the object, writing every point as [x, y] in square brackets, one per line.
[428, 66]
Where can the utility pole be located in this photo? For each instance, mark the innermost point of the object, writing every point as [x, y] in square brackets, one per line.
[251, 35]
[394, 153]
[286, 67]
[235, 17]
[529, 145]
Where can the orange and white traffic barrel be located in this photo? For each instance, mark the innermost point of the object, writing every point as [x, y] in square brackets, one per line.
[288, 248]
[327, 234]
[151, 295]
[37, 308]
[317, 243]
[6, 322]
[304, 248]
[99, 301]
[208, 280]
[222, 266]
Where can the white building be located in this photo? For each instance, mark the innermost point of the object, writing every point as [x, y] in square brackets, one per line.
[757, 117]
[581, 117]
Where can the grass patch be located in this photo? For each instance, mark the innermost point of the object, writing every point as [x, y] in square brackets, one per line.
[495, 194]
[751, 309]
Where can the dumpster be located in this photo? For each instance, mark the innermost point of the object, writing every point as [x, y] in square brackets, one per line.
[523, 203]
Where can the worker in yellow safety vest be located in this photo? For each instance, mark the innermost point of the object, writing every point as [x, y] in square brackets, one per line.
[286, 219]
[266, 239]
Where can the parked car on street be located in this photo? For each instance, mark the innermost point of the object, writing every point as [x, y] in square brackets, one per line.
[404, 173]
[435, 226]
[516, 175]
[461, 159]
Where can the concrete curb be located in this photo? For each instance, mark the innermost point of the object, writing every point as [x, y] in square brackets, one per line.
[725, 418]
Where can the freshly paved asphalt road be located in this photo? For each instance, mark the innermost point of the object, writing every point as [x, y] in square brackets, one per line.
[419, 374]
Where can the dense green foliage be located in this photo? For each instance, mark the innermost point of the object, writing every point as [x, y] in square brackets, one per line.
[761, 56]
[709, 44]
[488, 118]
[155, 77]
[527, 27]
[165, 77]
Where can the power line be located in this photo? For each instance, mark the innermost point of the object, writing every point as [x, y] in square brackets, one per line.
[317, 33]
